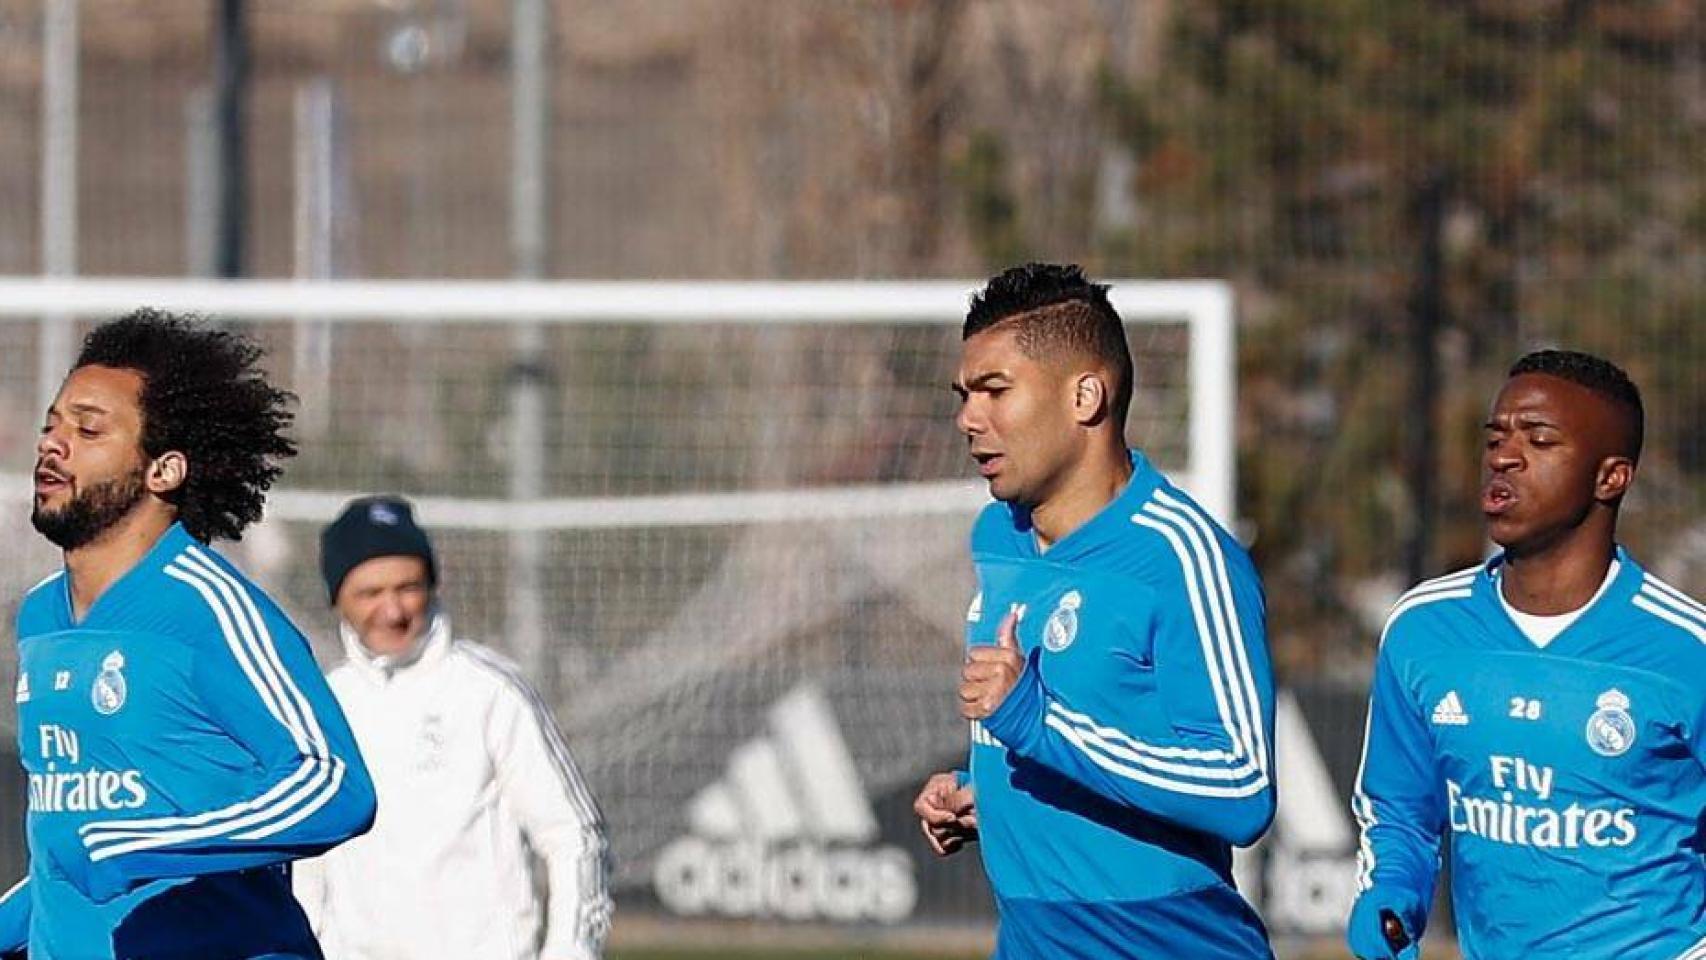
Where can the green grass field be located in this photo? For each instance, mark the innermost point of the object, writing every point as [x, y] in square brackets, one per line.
[648, 938]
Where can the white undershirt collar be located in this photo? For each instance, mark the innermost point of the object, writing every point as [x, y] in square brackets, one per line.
[1543, 629]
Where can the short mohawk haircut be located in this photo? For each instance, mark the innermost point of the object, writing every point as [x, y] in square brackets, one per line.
[204, 396]
[1056, 310]
[1597, 374]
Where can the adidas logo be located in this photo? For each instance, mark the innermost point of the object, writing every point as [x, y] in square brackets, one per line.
[787, 831]
[795, 782]
[1448, 712]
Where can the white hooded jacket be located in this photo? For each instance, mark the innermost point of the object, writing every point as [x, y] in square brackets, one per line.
[472, 775]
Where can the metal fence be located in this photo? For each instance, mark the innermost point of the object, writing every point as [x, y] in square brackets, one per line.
[1405, 195]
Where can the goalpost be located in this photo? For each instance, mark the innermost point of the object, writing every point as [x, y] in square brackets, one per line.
[1205, 308]
[677, 504]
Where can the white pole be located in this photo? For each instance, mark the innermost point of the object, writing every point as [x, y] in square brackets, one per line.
[525, 612]
[571, 302]
[1214, 403]
[201, 181]
[58, 187]
[312, 339]
[530, 107]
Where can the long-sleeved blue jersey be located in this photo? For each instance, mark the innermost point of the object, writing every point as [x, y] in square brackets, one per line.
[1134, 751]
[1569, 775]
[182, 748]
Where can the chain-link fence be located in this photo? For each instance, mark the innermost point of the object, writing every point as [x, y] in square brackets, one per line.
[1406, 195]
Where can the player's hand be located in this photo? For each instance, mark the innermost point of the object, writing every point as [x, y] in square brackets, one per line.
[990, 672]
[947, 814]
[1385, 926]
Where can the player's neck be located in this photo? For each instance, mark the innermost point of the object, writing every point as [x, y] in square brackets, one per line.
[1559, 577]
[1084, 491]
[98, 564]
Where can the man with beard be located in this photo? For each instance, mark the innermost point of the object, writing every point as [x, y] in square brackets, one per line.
[180, 744]
[1116, 674]
[1544, 706]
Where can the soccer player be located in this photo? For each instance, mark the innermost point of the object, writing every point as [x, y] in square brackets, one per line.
[180, 743]
[1116, 676]
[1545, 707]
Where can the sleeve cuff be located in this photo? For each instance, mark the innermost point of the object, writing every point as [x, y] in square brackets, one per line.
[107, 881]
[1015, 721]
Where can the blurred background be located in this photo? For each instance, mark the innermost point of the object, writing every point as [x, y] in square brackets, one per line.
[1400, 196]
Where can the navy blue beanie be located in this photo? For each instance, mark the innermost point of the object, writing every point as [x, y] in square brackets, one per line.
[370, 527]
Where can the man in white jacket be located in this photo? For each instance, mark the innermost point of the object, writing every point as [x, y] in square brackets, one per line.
[473, 777]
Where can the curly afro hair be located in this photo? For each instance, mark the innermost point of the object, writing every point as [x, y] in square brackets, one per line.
[203, 396]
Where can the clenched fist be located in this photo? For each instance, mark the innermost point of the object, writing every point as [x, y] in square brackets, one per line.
[947, 813]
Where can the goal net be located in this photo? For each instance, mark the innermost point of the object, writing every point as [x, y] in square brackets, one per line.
[722, 526]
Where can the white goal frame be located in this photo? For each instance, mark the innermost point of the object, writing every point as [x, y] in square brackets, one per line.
[1205, 305]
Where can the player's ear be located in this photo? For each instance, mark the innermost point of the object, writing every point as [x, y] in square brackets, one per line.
[1090, 399]
[167, 472]
[1615, 475]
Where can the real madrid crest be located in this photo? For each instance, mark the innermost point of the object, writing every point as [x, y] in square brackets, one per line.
[109, 690]
[1062, 626]
[431, 743]
[1611, 730]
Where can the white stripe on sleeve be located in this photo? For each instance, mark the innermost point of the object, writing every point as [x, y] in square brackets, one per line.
[286, 803]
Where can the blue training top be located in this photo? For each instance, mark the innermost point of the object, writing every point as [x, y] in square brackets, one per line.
[1135, 750]
[182, 748]
[1570, 774]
